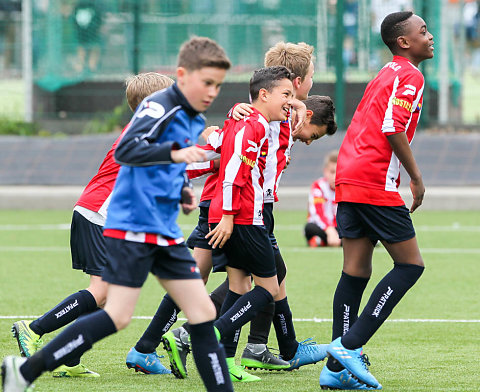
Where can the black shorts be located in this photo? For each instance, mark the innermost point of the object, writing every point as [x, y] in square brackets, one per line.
[390, 224]
[87, 245]
[269, 223]
[197, 238]
[248, 249]
[130, 262]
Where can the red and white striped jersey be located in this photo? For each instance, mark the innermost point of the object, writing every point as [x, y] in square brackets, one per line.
[322, 209]
[239, 189]
[367, 169]
[274, 159]
[96, 195]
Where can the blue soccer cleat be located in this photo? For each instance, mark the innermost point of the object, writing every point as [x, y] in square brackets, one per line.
[308, 352]
[354, 361]
[145, 363]
[342, 380]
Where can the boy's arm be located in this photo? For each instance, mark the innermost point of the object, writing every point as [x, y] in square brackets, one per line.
[402, 150]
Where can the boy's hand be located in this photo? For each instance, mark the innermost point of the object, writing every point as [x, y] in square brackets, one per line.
[207, 131]
[188, 155]
[332, 236]
[241, 110]
[220, 234]
[299, 116]
[418, 191]
[189, 200]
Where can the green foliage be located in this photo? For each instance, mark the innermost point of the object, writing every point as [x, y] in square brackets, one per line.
[10, 126]
[405, 355]
[107, 122]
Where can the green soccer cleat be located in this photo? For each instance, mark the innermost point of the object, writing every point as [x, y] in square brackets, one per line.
[258, 356]
[238, 373]
[177, 349]
[79, 370]
[28, 341]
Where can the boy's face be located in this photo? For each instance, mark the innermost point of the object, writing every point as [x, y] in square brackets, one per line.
[329, 172]
[420, 40]
[304, 88]
[310, 132]
[278, 100]
[201, 86]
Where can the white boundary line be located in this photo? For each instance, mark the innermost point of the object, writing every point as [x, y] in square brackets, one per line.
[420, 228]
[298, 320]
[285, 249]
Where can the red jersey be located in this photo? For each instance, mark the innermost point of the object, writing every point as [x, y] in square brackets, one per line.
[274, 159]
[96, 195]
[239, 189]
[367, 169]
[322, 209]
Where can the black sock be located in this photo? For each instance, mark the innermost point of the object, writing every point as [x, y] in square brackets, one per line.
[218, 296]
[69, 344]
[230, 340]
[384, 298]
[163, 319]
[243, 310]
[65, 312]
[260, 325]
[209, 357]
[283, 323]
[346, 303]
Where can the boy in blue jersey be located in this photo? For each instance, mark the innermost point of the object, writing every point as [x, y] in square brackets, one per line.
[141, 232]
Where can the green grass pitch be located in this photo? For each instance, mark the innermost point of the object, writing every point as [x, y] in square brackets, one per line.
[430, 343]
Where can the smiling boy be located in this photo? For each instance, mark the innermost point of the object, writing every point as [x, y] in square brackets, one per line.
[370, 209]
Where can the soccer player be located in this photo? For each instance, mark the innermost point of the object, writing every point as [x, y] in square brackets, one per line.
[321, 227]
[141, 230]
[370, 208]
[87, 245]
[236, 215]
[298, 58]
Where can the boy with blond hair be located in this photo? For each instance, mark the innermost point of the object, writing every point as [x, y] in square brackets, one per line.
[87, 245]
[141, 232]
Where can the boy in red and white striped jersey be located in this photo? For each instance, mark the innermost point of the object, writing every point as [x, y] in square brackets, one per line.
[321, 227]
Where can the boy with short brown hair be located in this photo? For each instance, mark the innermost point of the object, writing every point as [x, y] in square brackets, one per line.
[141, 230]
[87, 245]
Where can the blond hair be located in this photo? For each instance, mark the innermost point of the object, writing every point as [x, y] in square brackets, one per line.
[200, 52]
[296, 57]
[142, 85]
[331, 157]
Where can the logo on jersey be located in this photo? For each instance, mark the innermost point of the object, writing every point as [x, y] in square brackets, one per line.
[409, 89]
[254, 146]
[402, 103]
[151, 109]
[246, 160]
[393, 65]
[419, 107]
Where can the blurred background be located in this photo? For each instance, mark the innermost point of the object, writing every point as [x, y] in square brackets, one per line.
[63, 64]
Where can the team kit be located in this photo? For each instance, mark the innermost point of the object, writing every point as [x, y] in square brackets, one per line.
[124, 225]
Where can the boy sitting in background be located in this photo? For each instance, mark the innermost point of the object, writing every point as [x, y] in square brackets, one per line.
[321, 229]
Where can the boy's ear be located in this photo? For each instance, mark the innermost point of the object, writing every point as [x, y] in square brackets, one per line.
[402, 42]
[263, 94]
[181, 71]
[297, 82]
[309, 113]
